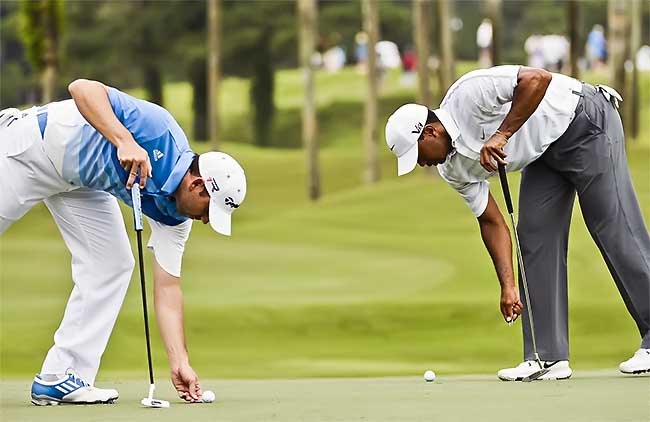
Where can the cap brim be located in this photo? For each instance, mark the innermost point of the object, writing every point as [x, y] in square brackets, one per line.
[406, 163]
[219, 219]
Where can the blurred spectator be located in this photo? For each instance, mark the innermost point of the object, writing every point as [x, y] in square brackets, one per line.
[409, 65]
[388, 55]
[334, 59]
[361, 51]
[484, 43]
[555, 49]
[596, 48]
[548, 52]
[533, 47]
[643, 58]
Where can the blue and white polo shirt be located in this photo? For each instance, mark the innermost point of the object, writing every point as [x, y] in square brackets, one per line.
[85, 158]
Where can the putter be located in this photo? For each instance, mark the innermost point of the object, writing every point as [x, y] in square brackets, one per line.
[522, 272]
[148, 401]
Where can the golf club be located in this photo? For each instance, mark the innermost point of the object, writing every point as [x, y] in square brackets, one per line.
[148, 401]
[522, 272]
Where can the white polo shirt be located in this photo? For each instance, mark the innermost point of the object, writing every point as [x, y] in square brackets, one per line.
[478, 103]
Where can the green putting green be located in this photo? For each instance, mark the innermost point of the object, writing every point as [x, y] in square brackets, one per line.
[589, 396]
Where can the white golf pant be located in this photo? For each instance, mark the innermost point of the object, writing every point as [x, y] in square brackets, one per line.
[93, 230]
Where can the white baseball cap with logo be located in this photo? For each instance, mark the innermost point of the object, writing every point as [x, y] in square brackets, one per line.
[404, 128]
[225, 181]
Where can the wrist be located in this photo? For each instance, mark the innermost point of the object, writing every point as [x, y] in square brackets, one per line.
[504, 134]
[122, 138]
[176, 363]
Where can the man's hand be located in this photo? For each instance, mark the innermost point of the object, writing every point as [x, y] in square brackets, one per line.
[186, 383]
[135, 160]
[493, 149]
[511, 306]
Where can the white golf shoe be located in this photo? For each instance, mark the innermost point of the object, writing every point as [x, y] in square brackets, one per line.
[559, 370]
[637, 364]
[69, 389]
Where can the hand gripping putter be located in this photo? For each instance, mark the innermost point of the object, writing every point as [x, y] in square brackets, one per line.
[506, 193]
[148, 401]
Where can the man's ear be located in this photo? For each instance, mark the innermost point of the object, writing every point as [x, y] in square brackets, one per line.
[429, 130]
[197, 183]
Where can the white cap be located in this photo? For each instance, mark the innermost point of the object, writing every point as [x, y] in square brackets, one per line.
[225, 181]
[403, 129]
[405, 126]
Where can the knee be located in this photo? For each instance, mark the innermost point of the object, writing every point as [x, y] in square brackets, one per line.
[120, 265]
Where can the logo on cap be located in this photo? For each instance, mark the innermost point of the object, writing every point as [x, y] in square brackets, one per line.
[215, 187]
[418, 127]
[230, 202]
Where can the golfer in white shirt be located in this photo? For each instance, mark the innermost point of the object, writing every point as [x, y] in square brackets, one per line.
[566, 136]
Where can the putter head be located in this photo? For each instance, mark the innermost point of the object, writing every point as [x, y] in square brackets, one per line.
[536, 375]
[150, 402]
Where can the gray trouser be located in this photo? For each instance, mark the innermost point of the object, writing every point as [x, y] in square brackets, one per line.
[589, 158]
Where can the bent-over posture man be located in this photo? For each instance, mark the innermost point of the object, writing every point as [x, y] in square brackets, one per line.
[79, 157]
[566, 137]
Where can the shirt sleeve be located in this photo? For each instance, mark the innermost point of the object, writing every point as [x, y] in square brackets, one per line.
[475, 194]
[143, 119]
[490, 88]
[168, 244]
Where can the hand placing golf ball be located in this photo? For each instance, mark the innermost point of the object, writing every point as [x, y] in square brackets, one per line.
[429, 376]
[207, 397]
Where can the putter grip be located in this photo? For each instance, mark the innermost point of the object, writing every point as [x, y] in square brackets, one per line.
[137, 207]
[505, 188]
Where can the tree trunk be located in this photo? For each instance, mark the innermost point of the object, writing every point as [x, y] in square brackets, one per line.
[495, 14]
[308, 27]
[50, 73]
[198, 79]
[214, 76]
[153, 83]
[371, 27]
[575, 37]
[635, 43]
[261, 90]
[616, 43]
[446, 70]
[421, 38]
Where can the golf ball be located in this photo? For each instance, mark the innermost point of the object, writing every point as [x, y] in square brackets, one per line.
[429, 376]
[208, 396]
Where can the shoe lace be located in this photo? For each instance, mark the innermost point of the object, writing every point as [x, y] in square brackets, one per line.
[76, 378]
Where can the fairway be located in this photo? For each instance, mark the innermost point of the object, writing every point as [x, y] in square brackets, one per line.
[588, 396]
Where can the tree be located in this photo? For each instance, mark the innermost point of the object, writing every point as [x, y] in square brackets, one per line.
[371, 26]
[446, 70]
[635, 44]
[42, 25]
[421, 37]
[308, 22]
[617, 45]
[214, 54]
[574, 23]
[496, 17]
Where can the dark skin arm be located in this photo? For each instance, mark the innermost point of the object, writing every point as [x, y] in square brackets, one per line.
[496, 238]
[529, 92]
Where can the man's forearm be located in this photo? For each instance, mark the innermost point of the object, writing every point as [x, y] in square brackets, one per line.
[496, 238]
[531, 87]
[168, 301]
[92, 102]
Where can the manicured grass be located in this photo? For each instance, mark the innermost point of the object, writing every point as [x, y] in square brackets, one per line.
[588, 397]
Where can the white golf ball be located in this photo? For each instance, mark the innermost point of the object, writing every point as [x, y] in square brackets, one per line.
[208, 396]
[429, 376]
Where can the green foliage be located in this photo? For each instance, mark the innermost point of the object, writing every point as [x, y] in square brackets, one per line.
[40, 20]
